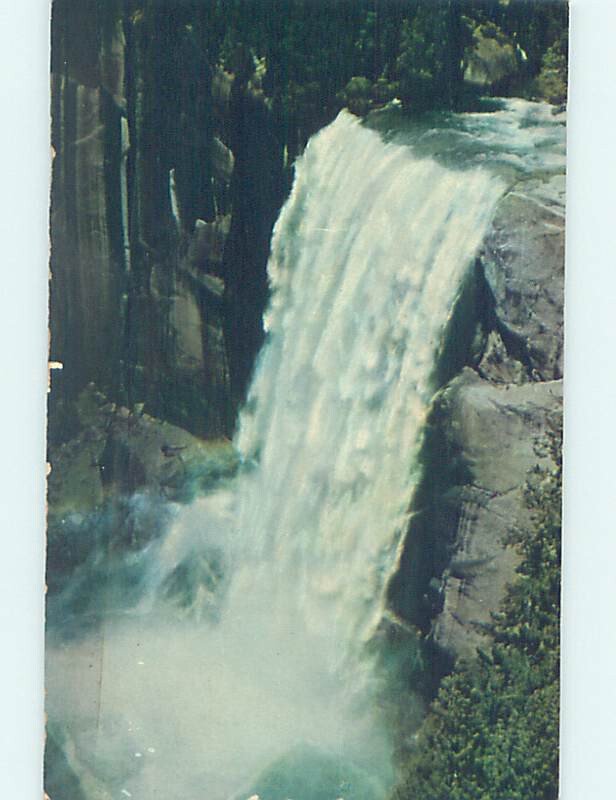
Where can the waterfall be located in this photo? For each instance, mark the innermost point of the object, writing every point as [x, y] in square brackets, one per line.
[368, 256]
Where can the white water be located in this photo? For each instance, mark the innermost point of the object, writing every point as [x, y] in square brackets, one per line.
[367, 259]
[368, 256]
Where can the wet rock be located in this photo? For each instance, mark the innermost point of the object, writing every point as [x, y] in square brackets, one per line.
[223, 161]
[208, 243]
[523, 263]
[257, 192]
[162, 455]
[196, 586]
[113, 489]
[497, 365]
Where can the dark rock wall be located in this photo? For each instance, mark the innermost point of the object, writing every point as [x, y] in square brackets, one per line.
[87, 272]
[87, 260]
[258, 153]
[167, 179]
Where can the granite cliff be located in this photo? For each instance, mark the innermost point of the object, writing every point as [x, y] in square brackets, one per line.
[486, 431]
[166, 184]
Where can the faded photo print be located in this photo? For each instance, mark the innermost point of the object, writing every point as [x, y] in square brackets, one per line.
[304, 426]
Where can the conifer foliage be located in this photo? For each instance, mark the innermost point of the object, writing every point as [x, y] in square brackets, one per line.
[492, 733]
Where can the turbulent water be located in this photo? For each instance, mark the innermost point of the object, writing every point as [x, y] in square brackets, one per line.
[271, 690]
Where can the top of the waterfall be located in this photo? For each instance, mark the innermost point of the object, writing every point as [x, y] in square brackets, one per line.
[514, 137]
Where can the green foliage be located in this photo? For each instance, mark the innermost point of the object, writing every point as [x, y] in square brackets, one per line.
[429, 64]
[312, 49]
[357, 94]
[415, 49]
[358, 87]
[552, 80]
[492, 733]
[383, 91]
[415, 64]
[493, 58]
[533, 26]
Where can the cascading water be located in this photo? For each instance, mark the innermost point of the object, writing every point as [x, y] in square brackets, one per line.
[368, 256]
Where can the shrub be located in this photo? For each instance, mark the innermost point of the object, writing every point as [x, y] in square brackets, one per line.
[551, 82]
[357, 94]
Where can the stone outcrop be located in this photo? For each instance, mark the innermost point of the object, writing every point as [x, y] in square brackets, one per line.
[484, 433]
[497, 429]
[124, 451]
[494, 417]
[523, 261]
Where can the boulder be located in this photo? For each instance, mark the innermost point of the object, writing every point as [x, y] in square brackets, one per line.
[498, 365]
[523, 263]
[492, 59]
[223, 161]
[207, 243]
[496, 429]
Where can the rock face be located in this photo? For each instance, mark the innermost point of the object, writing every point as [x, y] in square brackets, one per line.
[122, 451]
[167, 179]
[485, 430]
[87, 272]
[497, 429]
[523, 261]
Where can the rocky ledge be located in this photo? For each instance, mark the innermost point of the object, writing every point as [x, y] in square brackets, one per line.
[496, 417]
[486, 428]
[498, 430]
